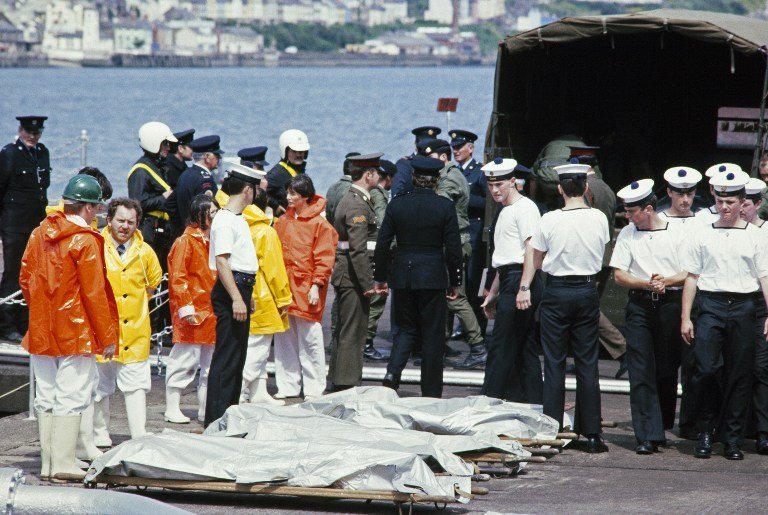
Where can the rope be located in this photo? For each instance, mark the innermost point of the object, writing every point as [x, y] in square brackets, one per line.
[6, 394]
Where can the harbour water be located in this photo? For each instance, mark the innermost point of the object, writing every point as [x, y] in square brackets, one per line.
[341, 110]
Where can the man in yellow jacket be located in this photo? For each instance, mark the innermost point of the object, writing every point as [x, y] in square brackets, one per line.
[134, 273]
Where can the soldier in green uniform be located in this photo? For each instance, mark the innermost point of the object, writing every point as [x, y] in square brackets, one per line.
[453, 185]
[352, 278]
[380, 199]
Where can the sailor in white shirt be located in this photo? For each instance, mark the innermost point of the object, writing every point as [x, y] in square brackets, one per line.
[515, 293]
[709, 214]
[727, 264]
[749, 210]
[570, 247]
[646, 262]
[233, 256]
[681, 189]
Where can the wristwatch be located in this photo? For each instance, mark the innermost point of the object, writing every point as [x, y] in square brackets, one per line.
[524, 288]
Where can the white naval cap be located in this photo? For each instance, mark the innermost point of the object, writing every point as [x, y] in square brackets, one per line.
[720, 168]
[729, 184]
[244, 173]
[682, 177]
[636, 193]
[571, 170]
[499, 169]
[754, 188]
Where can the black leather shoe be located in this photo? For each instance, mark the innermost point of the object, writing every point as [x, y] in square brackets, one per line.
[370, 352]
[475, 359]
[595, 444]
[450, 352]
[761, 444]
[622, 366]
[732, 452]
[644, 448]
[390, 381]
[703, 447]
[13, 337]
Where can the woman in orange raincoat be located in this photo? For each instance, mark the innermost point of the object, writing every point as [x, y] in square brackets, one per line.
[194, 325]
[309, 252]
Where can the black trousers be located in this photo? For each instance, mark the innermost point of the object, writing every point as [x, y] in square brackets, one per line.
[760, 387]
[725, 355]
[513, 369]
[13, 317]
[420, 318]
[474, 270]
[654, 345]
[570, 313]
[687, 422]
[226, 374]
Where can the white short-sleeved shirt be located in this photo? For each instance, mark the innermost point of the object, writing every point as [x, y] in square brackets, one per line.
[708, 215]
[574, 240]
[230, 235]
[727, 260]
[516, 223]
[643, 253]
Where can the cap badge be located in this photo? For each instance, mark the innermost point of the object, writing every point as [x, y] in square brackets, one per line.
[428, 150]
[430, 132]
[490, 173]
[453, 134]
[723, 188]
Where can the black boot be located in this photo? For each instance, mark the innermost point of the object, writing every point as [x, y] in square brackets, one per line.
[370, 352]
[703, 447]
[762, 443]
[390, 381]
[475, 359]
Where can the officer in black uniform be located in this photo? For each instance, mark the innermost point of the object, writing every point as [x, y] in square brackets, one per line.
[294, 150]
[463, 145]
[257, 156]
[25, 174]
[179, 154]
[401, 183]
[427, 261]
[198, 179]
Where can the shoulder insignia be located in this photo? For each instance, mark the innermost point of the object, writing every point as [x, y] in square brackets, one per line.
[359, 219]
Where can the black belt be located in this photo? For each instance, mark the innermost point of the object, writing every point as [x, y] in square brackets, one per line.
[727, 295]
[243, 278]
[512, 267]
[571, 279]
[650, 296]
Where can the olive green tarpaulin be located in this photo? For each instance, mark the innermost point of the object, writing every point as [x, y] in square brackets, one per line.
[646, 87]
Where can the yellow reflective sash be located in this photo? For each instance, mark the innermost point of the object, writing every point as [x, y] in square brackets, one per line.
[160, 181]
[289, 169]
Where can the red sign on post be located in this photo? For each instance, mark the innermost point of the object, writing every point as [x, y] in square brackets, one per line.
[447, 105]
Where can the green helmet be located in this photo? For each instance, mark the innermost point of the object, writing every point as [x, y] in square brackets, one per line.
[83, 188]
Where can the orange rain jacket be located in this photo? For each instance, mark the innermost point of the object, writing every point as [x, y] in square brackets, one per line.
[309, 252]
[190, 282]
[72, 309]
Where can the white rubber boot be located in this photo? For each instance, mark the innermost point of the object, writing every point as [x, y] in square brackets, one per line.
[202, 396]
[86, 449]
[101, 423]
[64, 431]
[136, 410]
[173, 413]
[44, 420]
[260, 395]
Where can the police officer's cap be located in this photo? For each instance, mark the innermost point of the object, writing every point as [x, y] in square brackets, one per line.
[499, 169]
[429, 146]
[82, 188]
[387, 168]
[754, 189]
[637, 193]
[729, 184]
[206, 144]
[572, 170]
[32, 123]
[426, 132]
[584, 154]
[255, 155]
[367, 160]
[244, 173]
[460, 137]
[682, 179]
[720, 168]
[522, 172]
[426, 166]
[185, 137]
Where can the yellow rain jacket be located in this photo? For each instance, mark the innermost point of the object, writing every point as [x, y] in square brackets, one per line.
[130, 278]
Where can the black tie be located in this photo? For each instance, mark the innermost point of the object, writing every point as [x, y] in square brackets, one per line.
[121, 249]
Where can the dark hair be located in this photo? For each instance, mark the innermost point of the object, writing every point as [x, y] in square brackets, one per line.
[425, 181]
[574, 186]
[650, 201]
[356, 172]
[260, 199]
[106, 186]
[199, 209]
[233, 185]
[125, 202]
[73, 209]
[347, 163]
[174, 147]
[302, 184]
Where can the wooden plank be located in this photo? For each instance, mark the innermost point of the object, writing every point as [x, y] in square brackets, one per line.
[498, 457]
[533, 442]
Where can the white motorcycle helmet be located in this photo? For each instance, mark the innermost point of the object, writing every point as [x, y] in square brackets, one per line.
[295, 139]
[152, 135]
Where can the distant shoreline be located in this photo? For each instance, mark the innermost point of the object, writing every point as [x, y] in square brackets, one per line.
[297, 60]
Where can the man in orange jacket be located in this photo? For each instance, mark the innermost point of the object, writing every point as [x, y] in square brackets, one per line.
[73, 317]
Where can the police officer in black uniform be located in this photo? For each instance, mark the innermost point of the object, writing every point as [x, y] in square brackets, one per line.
[198, 179]
[25, 174]
[428, 244]
[401, 183]
[179, 154]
